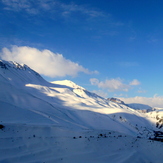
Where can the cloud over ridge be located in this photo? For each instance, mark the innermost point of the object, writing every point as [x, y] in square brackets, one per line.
[155, 101]
[44, 62]
[114, 84]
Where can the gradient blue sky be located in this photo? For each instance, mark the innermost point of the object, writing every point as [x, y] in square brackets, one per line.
[122, 40]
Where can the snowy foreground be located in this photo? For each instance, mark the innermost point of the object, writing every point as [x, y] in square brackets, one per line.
[44, 122]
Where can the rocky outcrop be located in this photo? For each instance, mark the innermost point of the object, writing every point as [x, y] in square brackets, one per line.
[116, 100]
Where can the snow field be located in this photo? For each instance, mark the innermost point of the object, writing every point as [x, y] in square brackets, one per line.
[46, 143]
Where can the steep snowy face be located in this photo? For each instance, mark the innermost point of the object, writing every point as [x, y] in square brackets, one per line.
[18, 74]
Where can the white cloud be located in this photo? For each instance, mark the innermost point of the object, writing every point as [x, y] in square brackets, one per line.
[44, 62]
[112, 84]
[135, 82]
[155, 101]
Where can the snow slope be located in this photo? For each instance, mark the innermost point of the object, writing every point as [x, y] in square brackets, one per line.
[63, 122]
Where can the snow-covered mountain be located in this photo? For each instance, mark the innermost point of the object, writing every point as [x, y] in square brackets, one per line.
[63, 122]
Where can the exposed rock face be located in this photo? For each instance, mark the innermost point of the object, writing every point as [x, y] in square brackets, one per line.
[116, 100]
[159, 123]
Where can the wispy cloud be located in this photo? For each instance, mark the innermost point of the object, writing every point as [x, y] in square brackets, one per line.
[128, 64]
[57, 8]
[70, 8]
[88, 18]
[44, 62]
[133, 35]
[19, 5]
[113, 85]
[35, 7]
[153, 40]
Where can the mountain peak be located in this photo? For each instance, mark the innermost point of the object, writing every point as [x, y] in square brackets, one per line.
[68, 83]
[12, 64]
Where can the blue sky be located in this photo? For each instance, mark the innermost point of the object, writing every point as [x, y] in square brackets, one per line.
[113, 48]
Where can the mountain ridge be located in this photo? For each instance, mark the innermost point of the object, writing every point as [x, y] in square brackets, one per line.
[34, 110]
[75, 100]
